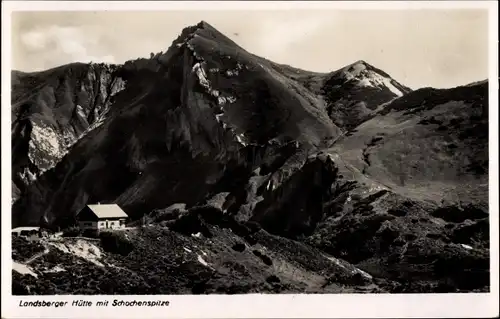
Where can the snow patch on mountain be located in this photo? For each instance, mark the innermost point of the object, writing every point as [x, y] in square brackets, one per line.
[27, 176]
[100, 113]
[199, 69]
[45, 140]
[241, 139]
[202, 76]
[81, 112]
[202, 261]
[236, 71]
[221, 100]
[218, 117]
[369, 78]
[48, 144]
[98, 122]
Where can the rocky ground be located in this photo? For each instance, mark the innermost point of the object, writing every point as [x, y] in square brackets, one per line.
[157, 260]
[203, 251]
[282, 180]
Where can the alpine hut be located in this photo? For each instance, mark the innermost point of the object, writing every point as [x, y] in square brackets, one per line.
[101, 216]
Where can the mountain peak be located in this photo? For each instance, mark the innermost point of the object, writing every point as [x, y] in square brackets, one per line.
[203, 30]
[363, 62]
[204, 25]
[366, 75]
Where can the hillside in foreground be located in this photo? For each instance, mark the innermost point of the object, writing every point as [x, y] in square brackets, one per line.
[205, 252]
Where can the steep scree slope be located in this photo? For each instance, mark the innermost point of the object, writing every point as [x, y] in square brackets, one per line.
[51, 110]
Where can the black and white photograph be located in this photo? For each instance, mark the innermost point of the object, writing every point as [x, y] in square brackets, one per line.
[240, 152]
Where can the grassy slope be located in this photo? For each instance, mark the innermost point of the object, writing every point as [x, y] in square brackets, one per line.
[413, 191]
[432, 154]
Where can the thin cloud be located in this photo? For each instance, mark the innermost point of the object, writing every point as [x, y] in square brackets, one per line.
[62, 44]
[34, 40]
[438, 48]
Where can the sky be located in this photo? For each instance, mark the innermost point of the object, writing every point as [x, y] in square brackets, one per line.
[418, 48]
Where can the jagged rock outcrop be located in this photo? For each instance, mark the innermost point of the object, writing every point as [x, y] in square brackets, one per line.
[295, 206]
[51, 110]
